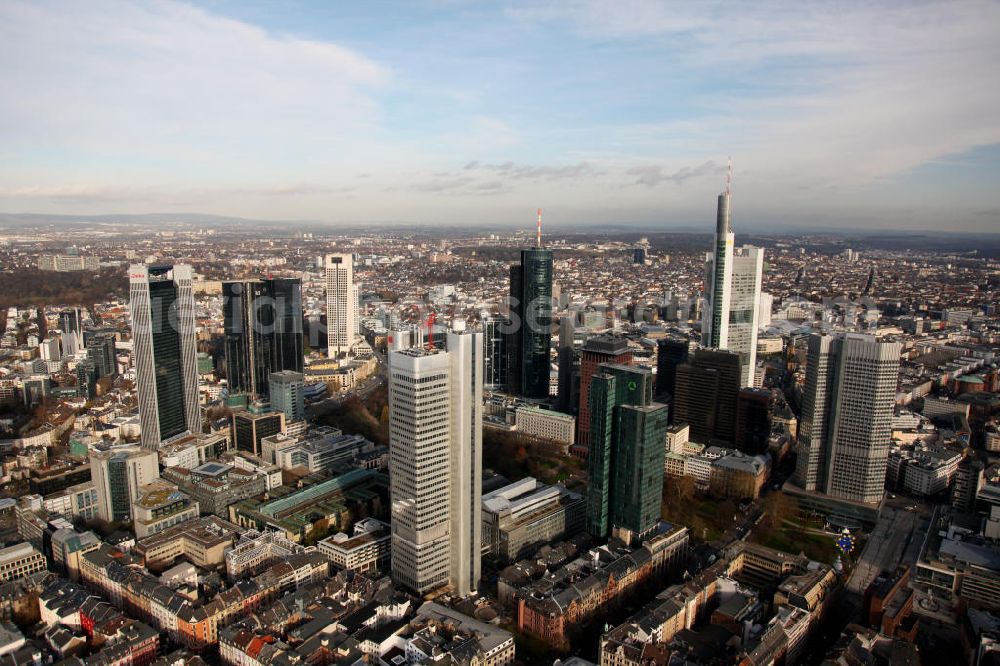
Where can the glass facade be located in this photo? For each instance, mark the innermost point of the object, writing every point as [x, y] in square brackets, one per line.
[167, 360]
[530, 339]
[263, 332]
[625, 463]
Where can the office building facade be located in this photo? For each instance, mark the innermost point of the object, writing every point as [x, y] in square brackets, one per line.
[163, 343]
[847, 406]
[341, 304]
[118, 475]
[530, 337]
[706, 394]
[596, 351]
[288, 394]
[263, 332]
[625, 465]
[435, 430]
[733, 286]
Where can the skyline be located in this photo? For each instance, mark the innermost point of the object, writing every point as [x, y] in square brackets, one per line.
[837, 118]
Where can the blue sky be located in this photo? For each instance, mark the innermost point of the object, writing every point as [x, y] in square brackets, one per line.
[836, 114]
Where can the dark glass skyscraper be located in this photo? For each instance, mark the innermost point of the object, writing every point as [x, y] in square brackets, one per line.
[669, 355]
[625, 463]
[263, 330]
[495, 352]
[705, 395]
[530, 339]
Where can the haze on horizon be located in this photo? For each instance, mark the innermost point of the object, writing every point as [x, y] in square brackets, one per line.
[846, 114]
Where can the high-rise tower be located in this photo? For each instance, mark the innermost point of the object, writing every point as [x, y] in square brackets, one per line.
[733, 284]
[598, 350]
[263, 329]
[846, 427]
[161, 304]
[528, 345]
[627, 434]
[435, 434]
[341, 304]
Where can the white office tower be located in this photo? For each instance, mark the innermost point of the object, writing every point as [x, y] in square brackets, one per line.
[118, 474]
[161, 306]
[341, 304]
[744, 309]
[718, 279]
[846, 426]
[733, 284]
[435, 442]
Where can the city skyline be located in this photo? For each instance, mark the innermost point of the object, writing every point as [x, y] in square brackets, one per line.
[599, 115]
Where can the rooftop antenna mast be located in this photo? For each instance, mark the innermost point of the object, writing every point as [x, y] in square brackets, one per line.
[729, 177]
[538, 239]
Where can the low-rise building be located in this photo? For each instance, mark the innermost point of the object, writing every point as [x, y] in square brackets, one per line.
[526, 514]
[159, 506]
[20, 560]
[546, 424]
[367, 550]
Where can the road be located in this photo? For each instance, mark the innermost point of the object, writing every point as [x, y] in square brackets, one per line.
[891, 540]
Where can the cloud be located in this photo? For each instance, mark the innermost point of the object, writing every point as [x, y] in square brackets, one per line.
[815, 93]
[530, 172]
[146, 82]
[652, 175]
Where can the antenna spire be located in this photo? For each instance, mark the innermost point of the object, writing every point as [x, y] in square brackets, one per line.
[729, 177]
[538, 239]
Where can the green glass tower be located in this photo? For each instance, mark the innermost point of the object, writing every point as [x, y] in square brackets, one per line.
[625, 466]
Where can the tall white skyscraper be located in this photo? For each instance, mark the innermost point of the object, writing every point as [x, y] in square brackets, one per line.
[847, 405]
[732, 288]
[161, 305]
[341, 304]
[435, 442]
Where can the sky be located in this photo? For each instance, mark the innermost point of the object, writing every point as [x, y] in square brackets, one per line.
[836, 115]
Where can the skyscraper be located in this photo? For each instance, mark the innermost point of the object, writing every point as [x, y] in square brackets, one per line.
[598, 350]
[341, 304]
[625, 465]
[706, 393]
[263, 332]
[101, 351]
[495, 341]
[733, 285]
[118, 474]
[530, 338]
[719, 274]
[670, 353]
[846, 426]
[569, 361]
[435, 431]
[163, 341]
[71, 325]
